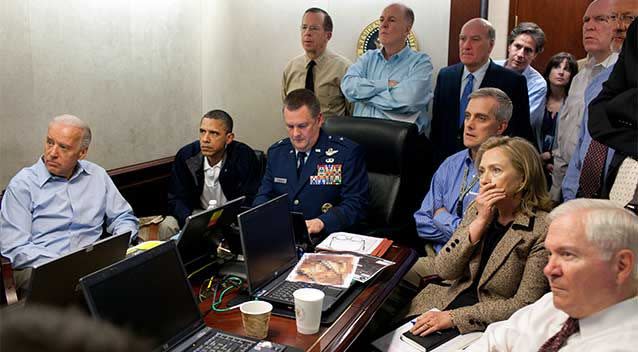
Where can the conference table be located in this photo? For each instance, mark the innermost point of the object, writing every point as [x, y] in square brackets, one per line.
[340, 335]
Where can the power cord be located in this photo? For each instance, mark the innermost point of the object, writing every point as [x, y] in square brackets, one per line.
[222, 286]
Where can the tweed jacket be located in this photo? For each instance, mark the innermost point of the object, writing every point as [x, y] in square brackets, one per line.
[513, 275]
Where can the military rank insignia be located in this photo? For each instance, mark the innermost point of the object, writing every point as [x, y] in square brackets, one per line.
[327, 174]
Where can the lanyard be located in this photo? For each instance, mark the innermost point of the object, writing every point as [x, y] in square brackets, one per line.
[464, 191]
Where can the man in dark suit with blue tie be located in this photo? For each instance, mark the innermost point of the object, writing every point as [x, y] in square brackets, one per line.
[325, 176]
[455, 83]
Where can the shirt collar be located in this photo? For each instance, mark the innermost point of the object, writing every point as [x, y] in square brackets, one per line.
[318, 60]
[467, 158]
[613, 316]
[207, 165]
[478, 73]
[610, 60]
[44, 175]
[403, 52]
[527, 72]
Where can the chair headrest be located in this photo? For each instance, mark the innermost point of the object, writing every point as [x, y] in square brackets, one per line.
[384, 141]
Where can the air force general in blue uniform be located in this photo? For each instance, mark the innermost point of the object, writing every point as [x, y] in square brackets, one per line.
[332, 185]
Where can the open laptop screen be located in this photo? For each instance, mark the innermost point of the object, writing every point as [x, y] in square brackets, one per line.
[197, 239]
[56, 282]
[268, 241]
[148, 294]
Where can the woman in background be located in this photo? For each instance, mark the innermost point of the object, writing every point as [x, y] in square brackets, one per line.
[559, 73]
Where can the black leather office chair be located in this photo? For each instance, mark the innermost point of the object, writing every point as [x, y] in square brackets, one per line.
[399, 172]
[261, 158]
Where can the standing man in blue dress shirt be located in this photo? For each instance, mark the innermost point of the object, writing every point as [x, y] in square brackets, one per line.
[394, 82]
[455, 184]
[60, 203]
[325, 176]
[525, 42]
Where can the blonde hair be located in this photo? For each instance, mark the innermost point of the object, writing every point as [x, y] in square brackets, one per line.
[528, 164]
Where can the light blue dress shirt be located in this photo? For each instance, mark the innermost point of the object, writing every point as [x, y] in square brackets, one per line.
[572, 175]
[44, 216]
[537, 92]
[444, 193]
[366, 85]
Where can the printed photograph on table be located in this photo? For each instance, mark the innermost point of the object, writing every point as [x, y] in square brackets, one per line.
[325, 269]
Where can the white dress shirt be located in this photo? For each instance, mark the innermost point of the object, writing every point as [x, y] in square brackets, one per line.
[613, 329]
[479, 74]
[212, 188]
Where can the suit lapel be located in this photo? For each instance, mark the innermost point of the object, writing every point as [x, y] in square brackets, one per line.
[505, 246]
[456, 90]
[487, 79]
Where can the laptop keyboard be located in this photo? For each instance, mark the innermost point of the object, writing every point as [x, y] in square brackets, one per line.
[221, 342]
[284, 291]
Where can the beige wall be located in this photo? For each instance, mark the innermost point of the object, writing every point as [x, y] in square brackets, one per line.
[498, 15]
[131, 69]
[142, 72]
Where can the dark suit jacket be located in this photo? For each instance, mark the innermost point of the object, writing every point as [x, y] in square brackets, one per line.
[446, 135]
[333, 185]
[240, 176]
[613, 115]
[513, 276]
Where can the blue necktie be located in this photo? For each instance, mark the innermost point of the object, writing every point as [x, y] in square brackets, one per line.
[301, 160]
[464, 98]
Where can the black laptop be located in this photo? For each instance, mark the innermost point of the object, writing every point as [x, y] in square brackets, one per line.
[56, 282]
[149, 295]
[270, 254]
[197, 243]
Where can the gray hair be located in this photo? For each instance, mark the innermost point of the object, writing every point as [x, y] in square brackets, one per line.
[531, 29]
[504, 109]
[607, 224]
[75, 121]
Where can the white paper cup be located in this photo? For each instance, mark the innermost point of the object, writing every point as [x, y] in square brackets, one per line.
[255, 316]
[308, 302]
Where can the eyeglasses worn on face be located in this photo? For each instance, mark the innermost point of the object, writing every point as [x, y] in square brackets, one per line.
[313, 29]
[626, 19]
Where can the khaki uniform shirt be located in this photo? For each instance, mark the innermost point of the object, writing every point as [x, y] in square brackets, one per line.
[328, 72]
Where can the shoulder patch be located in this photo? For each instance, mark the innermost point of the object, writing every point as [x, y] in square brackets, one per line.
[280, 143]
[341, 141]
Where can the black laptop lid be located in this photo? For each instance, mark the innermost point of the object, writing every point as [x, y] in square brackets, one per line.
[268, 242]
[201, 230]
[148, 294]
[56, 282]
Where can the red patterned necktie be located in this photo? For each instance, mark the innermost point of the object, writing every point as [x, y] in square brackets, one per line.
[557, 341]
[591, 172]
